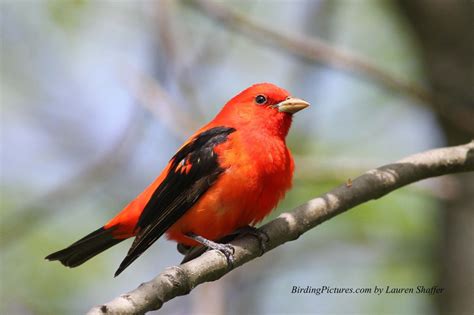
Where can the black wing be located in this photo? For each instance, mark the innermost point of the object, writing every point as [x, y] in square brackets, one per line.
[194, 168]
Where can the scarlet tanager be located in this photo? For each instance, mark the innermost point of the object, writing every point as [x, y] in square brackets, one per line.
[230, 174]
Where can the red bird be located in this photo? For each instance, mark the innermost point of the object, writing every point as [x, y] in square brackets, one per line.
[230, 174]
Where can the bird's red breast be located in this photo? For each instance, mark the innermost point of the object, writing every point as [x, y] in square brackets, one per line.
[258, 172]
[229, 174]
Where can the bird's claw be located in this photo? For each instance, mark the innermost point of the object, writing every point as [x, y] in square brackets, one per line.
[183, 249]
[228, 251]
[261, 236]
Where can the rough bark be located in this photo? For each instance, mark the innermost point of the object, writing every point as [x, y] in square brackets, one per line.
[180, 280]
[445, 32]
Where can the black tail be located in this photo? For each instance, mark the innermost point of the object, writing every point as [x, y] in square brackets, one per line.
[85, 248]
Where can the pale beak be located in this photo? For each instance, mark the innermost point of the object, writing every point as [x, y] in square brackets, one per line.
[291, 105]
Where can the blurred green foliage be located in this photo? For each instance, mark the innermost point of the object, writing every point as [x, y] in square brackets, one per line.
[75, 96]
[68, 14]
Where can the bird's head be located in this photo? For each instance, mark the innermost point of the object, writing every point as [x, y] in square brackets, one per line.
[263, 106]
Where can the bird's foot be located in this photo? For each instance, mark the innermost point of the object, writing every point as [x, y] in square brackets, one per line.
[226, 249]
[262, 236]
[183, 249]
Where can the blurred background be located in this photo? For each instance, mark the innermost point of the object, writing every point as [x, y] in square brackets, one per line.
[96, 96]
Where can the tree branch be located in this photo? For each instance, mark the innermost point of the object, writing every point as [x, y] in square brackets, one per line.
[180, 280]
[34, 212]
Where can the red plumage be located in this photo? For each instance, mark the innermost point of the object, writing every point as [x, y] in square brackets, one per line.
[231, 173]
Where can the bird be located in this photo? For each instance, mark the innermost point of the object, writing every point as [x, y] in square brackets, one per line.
[229, 175]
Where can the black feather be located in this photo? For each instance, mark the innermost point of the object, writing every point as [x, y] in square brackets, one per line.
[179, 191]
[85, 248]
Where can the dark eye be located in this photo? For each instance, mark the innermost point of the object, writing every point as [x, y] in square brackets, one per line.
[260, 99]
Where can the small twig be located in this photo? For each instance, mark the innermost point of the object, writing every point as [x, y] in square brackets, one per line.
[154, 98]
[315, 49]
[42, 208]
[180, 280]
